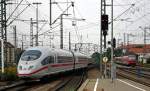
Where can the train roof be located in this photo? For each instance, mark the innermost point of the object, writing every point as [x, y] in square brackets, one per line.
[53, 50]
[81, 54]
[60, 52]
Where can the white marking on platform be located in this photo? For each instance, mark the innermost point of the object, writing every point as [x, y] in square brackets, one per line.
[131, 85]
[96, 84]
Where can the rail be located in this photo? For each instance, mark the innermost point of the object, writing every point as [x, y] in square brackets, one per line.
[71, 84]
[132, 75]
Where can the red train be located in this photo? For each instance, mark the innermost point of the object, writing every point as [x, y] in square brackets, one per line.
[129, 60]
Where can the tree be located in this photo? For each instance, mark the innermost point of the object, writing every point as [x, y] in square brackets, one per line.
[118, 52]
[96, 57]
[108, 53]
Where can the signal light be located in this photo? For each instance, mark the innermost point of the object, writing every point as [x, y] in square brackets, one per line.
[104, 22]
[105, 32]
[114, 42]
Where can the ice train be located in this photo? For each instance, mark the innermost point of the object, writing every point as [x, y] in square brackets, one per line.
[38, 62]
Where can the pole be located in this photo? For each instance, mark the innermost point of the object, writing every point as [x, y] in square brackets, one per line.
[75, 47]
[144, 40]
[31, 32]
[112, 49]
[69, 41]
[105, 71]
[104, 30]
[2, 25]
[15, 36]
[22, 43]
[2, 55]
[37, 26]
[50, 43]
[3, 20]
[37, 4]
[128, 39]
[101, 41]
[50, 12]
[50, 19]
[124, 34]
[118, 42]
[144, 37]
[15, 43]
[61, 31]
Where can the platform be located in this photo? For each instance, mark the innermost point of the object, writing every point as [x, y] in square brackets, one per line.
[107, 85]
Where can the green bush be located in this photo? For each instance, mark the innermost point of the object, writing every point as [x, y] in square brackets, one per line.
[9, 74]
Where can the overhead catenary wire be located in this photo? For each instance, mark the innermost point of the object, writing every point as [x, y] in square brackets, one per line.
[135, 5]
[93, 25]
[122, 13]
[60, 14]
[28, 3]
[14, 10]
[18, 15]
[138, 16]
[143, 16]
[49, 30]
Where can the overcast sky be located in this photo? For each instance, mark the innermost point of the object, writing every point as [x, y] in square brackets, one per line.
[128, 22]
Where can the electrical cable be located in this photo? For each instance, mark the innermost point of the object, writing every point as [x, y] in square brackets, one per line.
[18, 15]
[14, 10]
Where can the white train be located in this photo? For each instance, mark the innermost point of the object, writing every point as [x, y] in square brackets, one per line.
[38, 62]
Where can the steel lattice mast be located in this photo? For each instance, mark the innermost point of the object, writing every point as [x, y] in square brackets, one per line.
[3, 20]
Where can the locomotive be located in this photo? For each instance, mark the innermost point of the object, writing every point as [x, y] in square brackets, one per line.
[129, 60]
[38, 62]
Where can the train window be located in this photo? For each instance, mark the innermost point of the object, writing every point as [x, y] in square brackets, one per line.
[45, 61]
[30, 55]
[132, 57]
[48, 60]
[51, 59]
[63, 59]
[82, 59]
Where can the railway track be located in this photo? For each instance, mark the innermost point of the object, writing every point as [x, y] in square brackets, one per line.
[137, 73]
[132, 75]
[134, 68]
[12, 85]
[66, 82]
[71, 83]
[20, 86]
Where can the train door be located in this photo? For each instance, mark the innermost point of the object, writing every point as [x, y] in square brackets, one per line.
[55, 62]
[55, 66]
[52, 59]
[76, 62]
[73, 59]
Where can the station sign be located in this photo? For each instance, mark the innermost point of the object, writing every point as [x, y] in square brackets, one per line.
[105, 59]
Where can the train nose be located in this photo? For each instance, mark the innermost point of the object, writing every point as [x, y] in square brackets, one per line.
[24, 71]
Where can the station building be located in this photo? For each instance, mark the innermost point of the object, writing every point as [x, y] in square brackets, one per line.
[142, 50]
[11, 56]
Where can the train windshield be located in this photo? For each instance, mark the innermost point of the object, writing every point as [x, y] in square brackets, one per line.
[132, 57]
[30, 55]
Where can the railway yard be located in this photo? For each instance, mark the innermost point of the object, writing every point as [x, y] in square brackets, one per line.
[74, 45]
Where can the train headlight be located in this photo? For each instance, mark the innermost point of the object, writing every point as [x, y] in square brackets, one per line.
[30, 67]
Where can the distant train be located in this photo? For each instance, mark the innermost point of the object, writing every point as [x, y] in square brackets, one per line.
[38, 62]
[129, 60]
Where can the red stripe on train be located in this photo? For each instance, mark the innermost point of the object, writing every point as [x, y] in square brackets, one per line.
[61, 65]
[43, 68]
[46, 67]
[68, 64]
